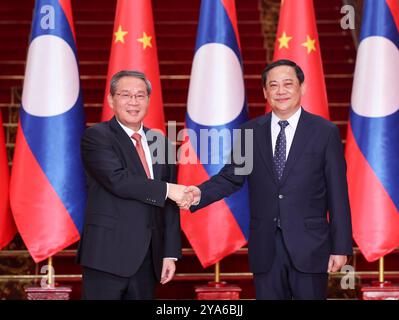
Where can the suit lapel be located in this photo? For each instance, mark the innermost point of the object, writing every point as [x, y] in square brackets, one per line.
[301, 138]
[264, 141]
[127, 146]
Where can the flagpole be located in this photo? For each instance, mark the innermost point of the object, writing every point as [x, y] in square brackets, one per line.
[217, 272]
[50, 272]
[48, 291]
[381, 271]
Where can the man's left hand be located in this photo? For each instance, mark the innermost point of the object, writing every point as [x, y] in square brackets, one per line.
[336, 262]
[168, 270]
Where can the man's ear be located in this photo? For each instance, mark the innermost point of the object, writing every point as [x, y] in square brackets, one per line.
[264, 93]
[110, 101]
[303, 88]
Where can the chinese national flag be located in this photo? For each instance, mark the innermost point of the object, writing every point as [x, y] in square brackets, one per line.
[134, 48]
[7, 226]
[297, 40]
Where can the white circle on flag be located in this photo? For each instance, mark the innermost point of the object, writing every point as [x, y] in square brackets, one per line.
[216, 94]
[375, 84]
[51, 85]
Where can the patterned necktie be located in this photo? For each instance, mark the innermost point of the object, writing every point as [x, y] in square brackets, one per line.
[139, 147]
[280, 149]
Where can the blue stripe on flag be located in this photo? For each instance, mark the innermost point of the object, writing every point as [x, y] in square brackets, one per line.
[378, 21]
[55, 140]
[377, 138]
[61, 27]
[211, 25]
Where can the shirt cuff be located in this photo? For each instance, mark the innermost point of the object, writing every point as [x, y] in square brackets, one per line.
[167, 190]
[174, 259]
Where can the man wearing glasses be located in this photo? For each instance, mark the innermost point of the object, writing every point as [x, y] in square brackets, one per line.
[131, 236]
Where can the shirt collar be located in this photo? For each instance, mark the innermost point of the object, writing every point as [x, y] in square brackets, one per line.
[130, 132]
[293, 120]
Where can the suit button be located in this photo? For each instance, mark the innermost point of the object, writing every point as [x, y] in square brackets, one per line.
[280, 196]
[275, 219]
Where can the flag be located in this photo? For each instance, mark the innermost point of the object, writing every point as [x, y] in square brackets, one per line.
[47, 189]
[216, 101]
[297, 40]
[134, 48]
[7, 226]
[372, 150]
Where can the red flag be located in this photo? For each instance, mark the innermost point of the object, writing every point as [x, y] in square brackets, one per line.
[7, 226]
[134, 48]
[297, 40]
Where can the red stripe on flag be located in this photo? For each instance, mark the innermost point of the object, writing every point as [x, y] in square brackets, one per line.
[230, 7]
[374, 215]
[41, 218]
[66, 7]
[7, 226]
[394, 7]
[213, 231]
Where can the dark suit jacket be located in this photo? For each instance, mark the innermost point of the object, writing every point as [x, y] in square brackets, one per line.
[313, 183]
[126, 211]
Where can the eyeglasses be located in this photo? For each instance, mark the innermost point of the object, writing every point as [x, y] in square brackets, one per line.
[128, 96]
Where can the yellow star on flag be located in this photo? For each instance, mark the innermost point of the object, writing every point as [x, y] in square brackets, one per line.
[145, 40]
[284, 39]
[310, 44]
[120, 34]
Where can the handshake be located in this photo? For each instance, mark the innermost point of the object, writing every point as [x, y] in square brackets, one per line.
[184, 196]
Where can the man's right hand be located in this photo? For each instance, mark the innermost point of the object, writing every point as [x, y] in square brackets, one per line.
[177, 194]
[196, 195]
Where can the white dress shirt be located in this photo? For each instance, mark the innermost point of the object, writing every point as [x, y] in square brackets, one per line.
[289, 130]
[146, 149]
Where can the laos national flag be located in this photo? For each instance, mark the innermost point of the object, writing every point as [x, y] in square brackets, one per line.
[372, 151]
[47, 190]
[217, 102]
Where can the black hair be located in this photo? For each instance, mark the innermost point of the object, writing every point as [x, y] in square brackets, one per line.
[283, 62]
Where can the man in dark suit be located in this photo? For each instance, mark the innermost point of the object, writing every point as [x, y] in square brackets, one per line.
[131, 234]
[300, 227]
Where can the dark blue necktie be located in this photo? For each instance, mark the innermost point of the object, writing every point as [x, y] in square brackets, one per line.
[280, 149]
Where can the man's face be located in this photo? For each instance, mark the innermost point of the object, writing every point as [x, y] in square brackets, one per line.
[283, 91]
[130, 102]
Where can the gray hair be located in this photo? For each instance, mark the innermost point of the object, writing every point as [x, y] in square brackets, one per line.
[129, 73]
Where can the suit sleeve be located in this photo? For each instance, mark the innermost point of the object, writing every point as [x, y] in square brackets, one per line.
[338, 201]
[226, 182]
[172, 246]
[102, 161]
